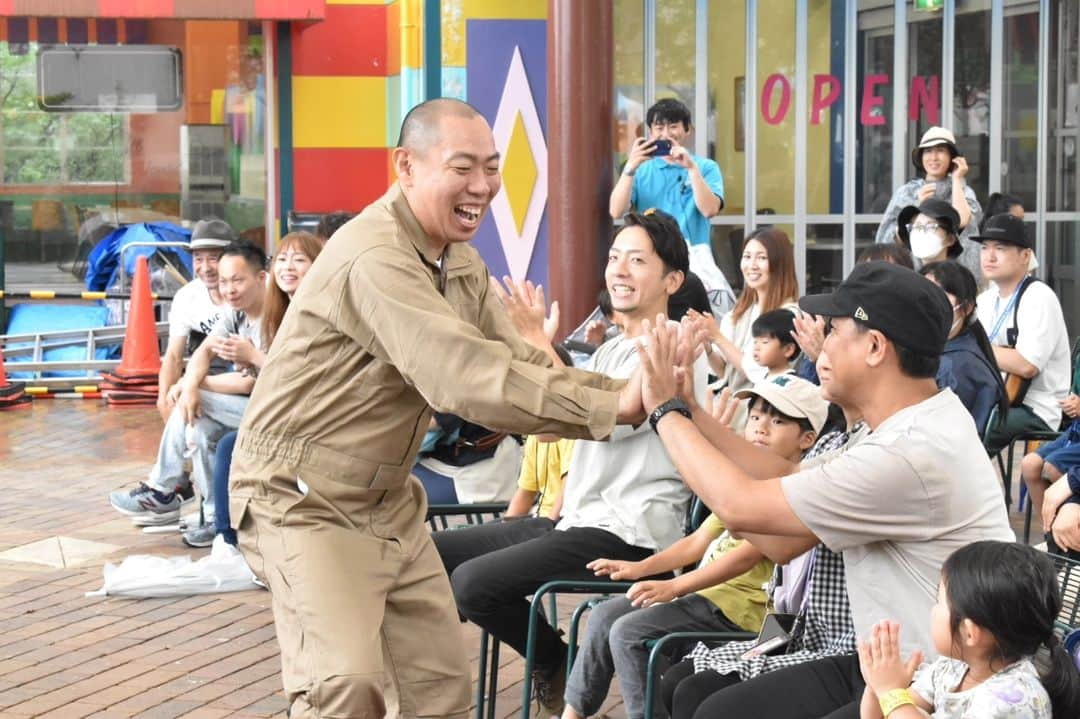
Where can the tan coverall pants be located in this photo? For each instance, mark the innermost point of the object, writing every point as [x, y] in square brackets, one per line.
[362, 554]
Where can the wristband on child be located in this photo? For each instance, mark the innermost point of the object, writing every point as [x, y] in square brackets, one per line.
[893, 699]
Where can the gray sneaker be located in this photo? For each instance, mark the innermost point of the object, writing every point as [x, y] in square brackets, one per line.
[199, 536]
[146, 505]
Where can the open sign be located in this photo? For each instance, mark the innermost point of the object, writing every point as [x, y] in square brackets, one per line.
[924, 96]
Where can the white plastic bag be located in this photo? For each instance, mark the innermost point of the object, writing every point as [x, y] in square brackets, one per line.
[143, 575]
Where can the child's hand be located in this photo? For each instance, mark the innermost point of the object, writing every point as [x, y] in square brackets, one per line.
[1071, 405]
[596, 332]
[646, 594]
[723, 407]
[880, 662]
[615, 569]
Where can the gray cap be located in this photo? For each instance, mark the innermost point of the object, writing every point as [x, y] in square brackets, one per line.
[211, 234]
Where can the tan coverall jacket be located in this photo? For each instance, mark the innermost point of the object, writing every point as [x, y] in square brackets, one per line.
[378, 334]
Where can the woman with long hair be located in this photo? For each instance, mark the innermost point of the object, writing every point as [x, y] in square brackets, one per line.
[296, 253]
[769, 283]
[967, 366]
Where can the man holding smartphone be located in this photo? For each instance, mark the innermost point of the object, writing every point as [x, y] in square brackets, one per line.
[660, 172]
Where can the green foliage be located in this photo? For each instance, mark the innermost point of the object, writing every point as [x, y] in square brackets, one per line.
[53, 148]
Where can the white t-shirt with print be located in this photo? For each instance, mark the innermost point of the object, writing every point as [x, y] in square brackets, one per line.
[193, 310]
[1042, 339]
[897, 504]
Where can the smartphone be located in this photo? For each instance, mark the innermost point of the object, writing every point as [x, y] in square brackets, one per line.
[775, 634]
[661, 148]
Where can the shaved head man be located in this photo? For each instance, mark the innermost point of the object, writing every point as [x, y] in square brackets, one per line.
[396, 320]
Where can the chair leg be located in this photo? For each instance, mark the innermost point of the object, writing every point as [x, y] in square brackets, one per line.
[1027, 523]
[481, 678]
[493, 679]
[1007, 477]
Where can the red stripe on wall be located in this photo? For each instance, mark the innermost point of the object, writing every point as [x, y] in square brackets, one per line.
[351, 42]
[338, 179]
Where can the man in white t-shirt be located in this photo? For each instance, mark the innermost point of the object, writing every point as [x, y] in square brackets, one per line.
[206, 406]
[896, 505]
[1023, 319]
[623, 498]
[195, 307]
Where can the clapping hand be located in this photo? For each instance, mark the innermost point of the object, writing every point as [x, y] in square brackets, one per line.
[880, 662]
[809, 334]
[723, 407]
[660, 356]
[527, 308]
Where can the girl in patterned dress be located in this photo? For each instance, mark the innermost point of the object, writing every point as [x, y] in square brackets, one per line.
[987, 626]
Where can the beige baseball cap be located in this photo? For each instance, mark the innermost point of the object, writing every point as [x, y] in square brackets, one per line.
[792, 396]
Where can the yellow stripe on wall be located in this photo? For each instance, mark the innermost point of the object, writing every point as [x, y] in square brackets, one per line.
[505, 10]
[339, 111]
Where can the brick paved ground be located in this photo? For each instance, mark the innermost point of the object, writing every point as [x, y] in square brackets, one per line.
[65, 655]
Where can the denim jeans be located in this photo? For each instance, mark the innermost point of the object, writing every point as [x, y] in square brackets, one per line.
[222, 460]
[220, 414]
[615, 644]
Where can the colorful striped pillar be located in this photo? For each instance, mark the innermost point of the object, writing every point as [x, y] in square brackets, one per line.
[341, 93]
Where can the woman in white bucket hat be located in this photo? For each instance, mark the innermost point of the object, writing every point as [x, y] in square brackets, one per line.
[941, 170]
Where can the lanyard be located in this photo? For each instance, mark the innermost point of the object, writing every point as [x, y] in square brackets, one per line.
[1008, 307]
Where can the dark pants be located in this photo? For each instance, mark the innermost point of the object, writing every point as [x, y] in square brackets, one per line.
[494, 567]
[222, 460]
[1019, 420]
[828, 688]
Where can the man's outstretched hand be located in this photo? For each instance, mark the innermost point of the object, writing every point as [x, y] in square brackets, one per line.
[660, 353]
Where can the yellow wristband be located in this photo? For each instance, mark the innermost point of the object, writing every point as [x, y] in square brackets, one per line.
[893, 699]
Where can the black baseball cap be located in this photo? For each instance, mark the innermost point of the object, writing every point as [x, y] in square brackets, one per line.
[1005, 228]
[900, 303]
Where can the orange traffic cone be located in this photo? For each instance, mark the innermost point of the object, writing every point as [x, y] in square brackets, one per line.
[140, 356]
[140, 361]
[12, 395]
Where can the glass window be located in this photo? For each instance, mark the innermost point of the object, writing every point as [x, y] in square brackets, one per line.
[1063, 118]
[1020, 103]
[38, 147]
[776, 111]
[675, 50]
[971, 92]
[825, 92]
[873, 105]
[726, 48]
[824, 257]
[1062, 269]
[69, 178]
[629, 76]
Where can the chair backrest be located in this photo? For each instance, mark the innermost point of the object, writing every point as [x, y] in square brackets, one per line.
[1068, 573]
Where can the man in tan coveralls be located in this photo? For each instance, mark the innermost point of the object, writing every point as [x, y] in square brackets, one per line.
[394, 319]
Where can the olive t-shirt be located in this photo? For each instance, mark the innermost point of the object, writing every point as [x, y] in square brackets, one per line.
[897, 504]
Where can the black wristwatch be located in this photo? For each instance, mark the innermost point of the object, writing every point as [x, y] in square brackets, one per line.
[672, 405]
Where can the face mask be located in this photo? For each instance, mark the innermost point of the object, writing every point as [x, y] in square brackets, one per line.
[925, 244]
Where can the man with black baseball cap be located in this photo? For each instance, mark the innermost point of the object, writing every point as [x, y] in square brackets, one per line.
[1026, 327]
[895, 505]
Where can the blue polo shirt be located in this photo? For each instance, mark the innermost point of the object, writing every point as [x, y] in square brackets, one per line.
[666, 186]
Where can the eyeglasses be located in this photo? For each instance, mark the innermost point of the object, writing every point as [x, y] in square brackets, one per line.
[928, 227]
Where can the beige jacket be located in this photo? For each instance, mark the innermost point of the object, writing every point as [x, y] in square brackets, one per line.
[378, 335]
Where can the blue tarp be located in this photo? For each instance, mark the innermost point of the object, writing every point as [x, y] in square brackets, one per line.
[105, 258]
[26, 319]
